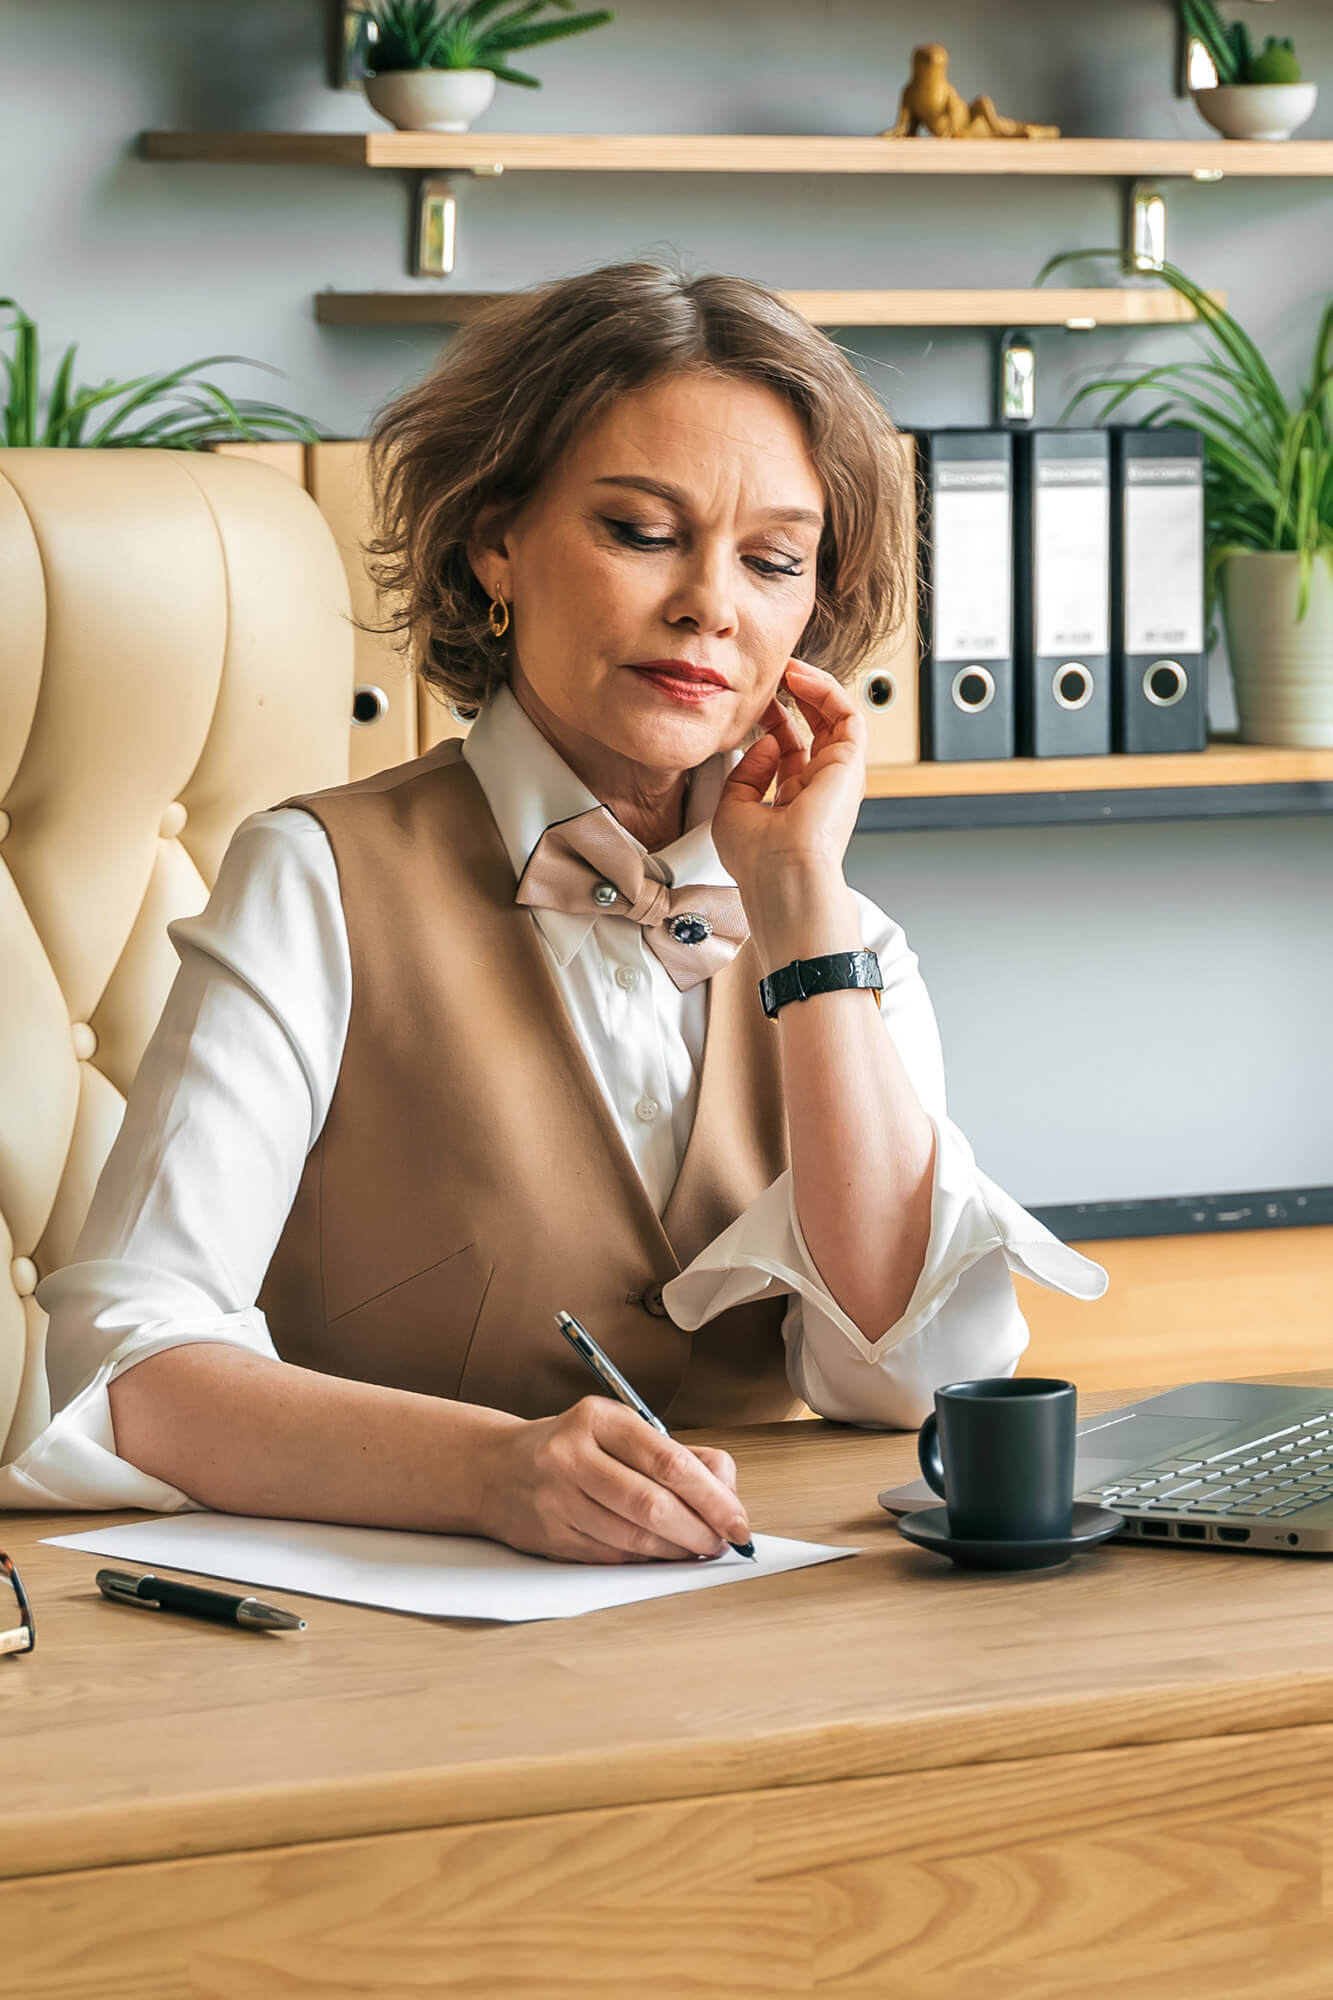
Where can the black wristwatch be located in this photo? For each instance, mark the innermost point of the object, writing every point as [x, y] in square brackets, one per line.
[833, 973]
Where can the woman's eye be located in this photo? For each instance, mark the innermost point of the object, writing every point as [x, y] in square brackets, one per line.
[635, 538]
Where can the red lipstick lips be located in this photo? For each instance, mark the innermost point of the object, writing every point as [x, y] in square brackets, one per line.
[680, 680]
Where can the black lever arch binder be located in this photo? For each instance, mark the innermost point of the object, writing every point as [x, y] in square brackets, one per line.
[1159, 675]
[966, 614]
[1062, 592]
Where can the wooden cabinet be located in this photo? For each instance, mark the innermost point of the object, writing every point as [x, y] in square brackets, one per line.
[394, 716]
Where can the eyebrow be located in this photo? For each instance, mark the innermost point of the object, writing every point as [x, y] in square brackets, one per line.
[677, 497]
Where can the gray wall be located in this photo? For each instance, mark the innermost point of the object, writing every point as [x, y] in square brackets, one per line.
[1126, 1011]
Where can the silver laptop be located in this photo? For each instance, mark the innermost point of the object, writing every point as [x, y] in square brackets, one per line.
[1235, 1464]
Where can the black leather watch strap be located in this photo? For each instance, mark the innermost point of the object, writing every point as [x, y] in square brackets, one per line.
[833, 973]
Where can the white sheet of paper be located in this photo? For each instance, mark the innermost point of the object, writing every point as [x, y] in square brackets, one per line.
[435, 1576]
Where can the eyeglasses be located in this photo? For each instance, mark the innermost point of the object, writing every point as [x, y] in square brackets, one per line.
[24, 1635]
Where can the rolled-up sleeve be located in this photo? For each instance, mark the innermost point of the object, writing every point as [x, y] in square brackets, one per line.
[230, 1095]
[963, 1318]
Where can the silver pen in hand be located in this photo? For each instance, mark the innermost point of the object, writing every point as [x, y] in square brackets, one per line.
[606, 1371]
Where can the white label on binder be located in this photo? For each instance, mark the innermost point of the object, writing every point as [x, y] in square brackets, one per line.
[1163, 556]
[1072, 554]
[971, 562]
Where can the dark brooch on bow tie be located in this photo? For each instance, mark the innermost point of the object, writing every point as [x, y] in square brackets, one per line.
[693, 928]
[689, 927]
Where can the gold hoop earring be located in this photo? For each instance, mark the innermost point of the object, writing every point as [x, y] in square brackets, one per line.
[499, 617]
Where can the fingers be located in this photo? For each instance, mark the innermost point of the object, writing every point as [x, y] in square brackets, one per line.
[597, 1484]
[642, 1512]
[568, 1543]
[823, 701]
[720, 1463]
[755, 771]
[660, 1488]
[794, 758]
[624, 1541]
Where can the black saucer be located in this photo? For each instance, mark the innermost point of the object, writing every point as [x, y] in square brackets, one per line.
[929, 1529]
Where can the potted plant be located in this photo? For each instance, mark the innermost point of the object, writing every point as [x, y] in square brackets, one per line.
[1268, 509]
[168, 410]
[434, 68]
[1257, 95]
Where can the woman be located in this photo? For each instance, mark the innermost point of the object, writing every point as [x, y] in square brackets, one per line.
[482, 1036]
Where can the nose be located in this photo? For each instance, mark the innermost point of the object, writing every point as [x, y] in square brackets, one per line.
[703, 595]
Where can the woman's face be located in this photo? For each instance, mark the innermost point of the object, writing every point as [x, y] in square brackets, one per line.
[683, 526]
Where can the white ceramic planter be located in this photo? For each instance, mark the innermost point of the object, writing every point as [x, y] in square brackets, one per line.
[1283, 671]
[1257, 110]
[431, 100]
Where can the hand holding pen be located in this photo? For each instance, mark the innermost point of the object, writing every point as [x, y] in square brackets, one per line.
[598, 1484]
[606, 1371]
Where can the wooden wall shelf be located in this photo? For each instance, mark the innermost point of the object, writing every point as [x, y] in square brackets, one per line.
[1086, 307]
[1228, 780]
[748, 153]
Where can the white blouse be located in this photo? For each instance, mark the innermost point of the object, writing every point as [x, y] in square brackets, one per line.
[235, 1084]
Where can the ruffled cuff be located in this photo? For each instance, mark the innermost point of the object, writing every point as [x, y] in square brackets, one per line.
[73, 1465]
[764, 1252]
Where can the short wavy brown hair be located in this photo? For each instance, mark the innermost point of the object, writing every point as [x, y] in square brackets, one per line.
[517, 384]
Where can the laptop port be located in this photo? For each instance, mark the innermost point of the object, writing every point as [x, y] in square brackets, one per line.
[1233, 1534]
[1154, 1527]
[1191, 1531]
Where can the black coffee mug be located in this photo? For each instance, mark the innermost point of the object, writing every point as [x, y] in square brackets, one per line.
[1000, 1454]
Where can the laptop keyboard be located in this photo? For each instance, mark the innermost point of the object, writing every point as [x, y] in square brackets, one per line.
[1273, 1475]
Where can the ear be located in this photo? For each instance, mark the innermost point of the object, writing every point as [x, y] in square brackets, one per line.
[488, 552]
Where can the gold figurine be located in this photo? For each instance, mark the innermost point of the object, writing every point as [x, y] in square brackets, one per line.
[930, 102]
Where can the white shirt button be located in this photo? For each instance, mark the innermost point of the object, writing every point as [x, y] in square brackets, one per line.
[627, 976]
[647, 1109]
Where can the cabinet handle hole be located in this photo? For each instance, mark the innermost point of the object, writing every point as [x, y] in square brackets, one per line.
[369, 703]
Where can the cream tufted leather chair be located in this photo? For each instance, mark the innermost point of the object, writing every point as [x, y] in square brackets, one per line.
[174, 655]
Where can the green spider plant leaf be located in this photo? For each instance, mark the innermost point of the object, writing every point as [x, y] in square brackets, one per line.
[21, 401]
[508, 25]
[1225, 412]
[58, 402]
[149, 388]
[156, 399]
[1268, 464]
[506, 75]
[1228, 332]
[503, 39]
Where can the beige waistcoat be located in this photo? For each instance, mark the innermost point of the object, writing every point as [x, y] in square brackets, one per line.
[470, 1176]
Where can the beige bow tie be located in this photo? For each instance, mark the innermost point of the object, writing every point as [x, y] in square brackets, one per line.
[591, 865]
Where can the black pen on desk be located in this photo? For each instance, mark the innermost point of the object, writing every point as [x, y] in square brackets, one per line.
[157, 1593]
[605, 1369]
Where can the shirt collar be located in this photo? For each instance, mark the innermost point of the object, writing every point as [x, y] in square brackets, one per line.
[529, 786]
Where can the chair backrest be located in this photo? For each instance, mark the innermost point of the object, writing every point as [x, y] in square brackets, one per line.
[175, 654]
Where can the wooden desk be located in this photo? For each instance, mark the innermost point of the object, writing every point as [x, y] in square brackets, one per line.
[879, 1778]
